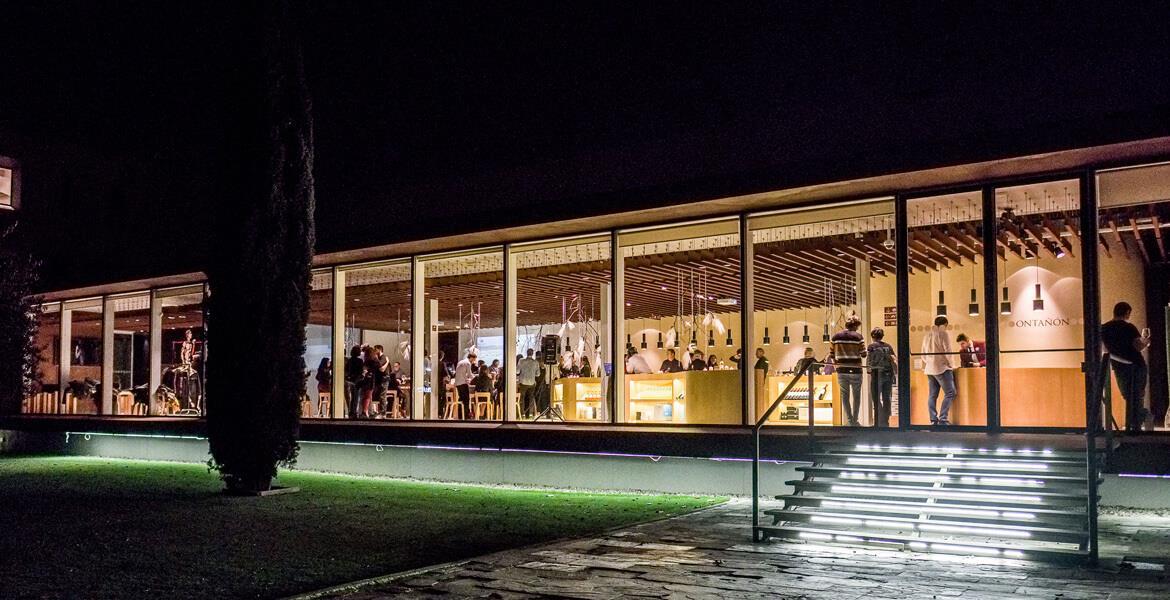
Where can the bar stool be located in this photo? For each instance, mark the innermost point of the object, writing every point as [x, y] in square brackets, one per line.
[481, 403]
[394, 401]
[454, 406]
[324, 404]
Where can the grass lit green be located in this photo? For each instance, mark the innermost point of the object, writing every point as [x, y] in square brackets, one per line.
[104, 528]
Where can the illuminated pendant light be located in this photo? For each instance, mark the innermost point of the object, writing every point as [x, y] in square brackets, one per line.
[659, 340]
[805, 338]
[568, 348]
[787, 340]
[729, 340]
[1005, 305]
[1038, 301]
[710, 337]
[973, 307]
[767, 338]
[826, 336]
[941, 309]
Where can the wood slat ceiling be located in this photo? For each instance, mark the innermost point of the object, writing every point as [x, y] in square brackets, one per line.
[789, 274]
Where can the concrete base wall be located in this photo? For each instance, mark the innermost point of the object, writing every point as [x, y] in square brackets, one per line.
[522, 468]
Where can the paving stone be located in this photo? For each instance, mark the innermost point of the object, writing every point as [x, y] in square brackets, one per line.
[709, 556]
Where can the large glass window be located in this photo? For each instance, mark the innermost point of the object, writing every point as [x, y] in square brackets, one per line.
[81, 367]
[131, 366]
[464, 308]
[681, 327]
[377, 368]
[823, 282]
[318, 357]
[563, 290]
[181, 352]
[44, 395]
[1134, 214]
[1041, 323]
[7, 187]
[948, 379]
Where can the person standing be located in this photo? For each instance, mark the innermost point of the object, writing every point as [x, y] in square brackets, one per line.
[380, 376]
[883, 367]
[671, 364]
[527, 371]
[354, 369]
[762, 361]
[846, 350]
[368, 381]
[737, 358]
[1125, 344]
[635, 363]
[697, 362]
[936, 350]
[462, 381]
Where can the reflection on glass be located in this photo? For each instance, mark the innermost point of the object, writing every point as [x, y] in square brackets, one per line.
[378, 355]
[131, 385]
[465, 336]
[43, 397]
[81, 368]
[824, 280]
[562, 290]
[1132, 254]
[948, 382]
[182, 353]
[682, 324]
[1041, 337]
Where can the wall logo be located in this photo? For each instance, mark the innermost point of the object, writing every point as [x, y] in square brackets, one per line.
[1053, 322]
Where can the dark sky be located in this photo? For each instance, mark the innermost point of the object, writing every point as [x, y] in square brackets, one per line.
[441, 117]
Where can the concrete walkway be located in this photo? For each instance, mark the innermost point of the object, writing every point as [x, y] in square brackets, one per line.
[708, 555]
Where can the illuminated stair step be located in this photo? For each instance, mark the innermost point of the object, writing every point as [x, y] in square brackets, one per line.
[985, 480]
[856, 522]
[964, 451]
[933, 544]
[937, 462]
[982, 513]
[973, 496]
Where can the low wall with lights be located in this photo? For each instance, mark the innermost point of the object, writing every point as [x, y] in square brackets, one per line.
[569, 470]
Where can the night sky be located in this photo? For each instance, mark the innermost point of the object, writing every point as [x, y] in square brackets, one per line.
[437, 118]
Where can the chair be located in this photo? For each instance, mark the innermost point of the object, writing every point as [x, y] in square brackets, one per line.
[394, 402]
[481, 404]
[454, 406]
[324, 404]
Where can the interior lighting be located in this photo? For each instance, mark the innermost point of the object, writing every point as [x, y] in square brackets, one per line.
[710, 337]
[1005, 305]
[826, 336]
[660, 340]
[973, 307]
[729, 340]
[787, 340]
[941, 309]
[805, 338]
[767, 337]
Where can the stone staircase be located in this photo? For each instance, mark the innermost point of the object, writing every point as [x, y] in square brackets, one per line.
[1013, 503]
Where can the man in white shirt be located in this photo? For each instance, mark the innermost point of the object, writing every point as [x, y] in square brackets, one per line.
[462, 381]
[635, 363]
[936, 351]
[527, 370]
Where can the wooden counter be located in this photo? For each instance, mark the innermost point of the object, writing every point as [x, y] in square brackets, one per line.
[580, 397]
[794, 409]
[1031, 397]
[696, 397]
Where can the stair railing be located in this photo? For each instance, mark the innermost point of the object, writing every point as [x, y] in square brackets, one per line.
[1100, 418]
[805, 369]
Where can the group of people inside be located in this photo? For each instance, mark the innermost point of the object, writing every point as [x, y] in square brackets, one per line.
[695, 361]
[373, 383]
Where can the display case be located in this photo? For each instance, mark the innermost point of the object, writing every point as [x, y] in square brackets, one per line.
[696, 397]
[580, 398]
[794, 409]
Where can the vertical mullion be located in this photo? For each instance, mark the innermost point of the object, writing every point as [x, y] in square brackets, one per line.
[902, 260]
[507, 403]
[746, 319]
[991, 315]
[617, 412]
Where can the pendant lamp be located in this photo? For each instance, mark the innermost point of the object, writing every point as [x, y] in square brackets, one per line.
[826, 337]
[767, 338]
[1038, 301]
[710, 337]
[659, 340]
[805, 338]
[1005, 305]
[729, 340]
[973, 307]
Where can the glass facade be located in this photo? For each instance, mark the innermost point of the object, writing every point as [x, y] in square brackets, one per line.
[983, 326]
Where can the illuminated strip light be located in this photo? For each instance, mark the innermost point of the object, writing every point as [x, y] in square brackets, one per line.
[935, 493]
[987, 531]
[932, 508]
[887, 524]
[849, 539]
[1004, 481]
[812, 535]
[939, 462]
[836, 520]
[965, 549]
[950, 449]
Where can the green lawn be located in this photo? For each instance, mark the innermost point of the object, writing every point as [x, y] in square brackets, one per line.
[102, 528]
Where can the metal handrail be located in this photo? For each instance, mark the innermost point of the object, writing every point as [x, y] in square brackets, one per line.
[756, 439]
[1100, 417]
